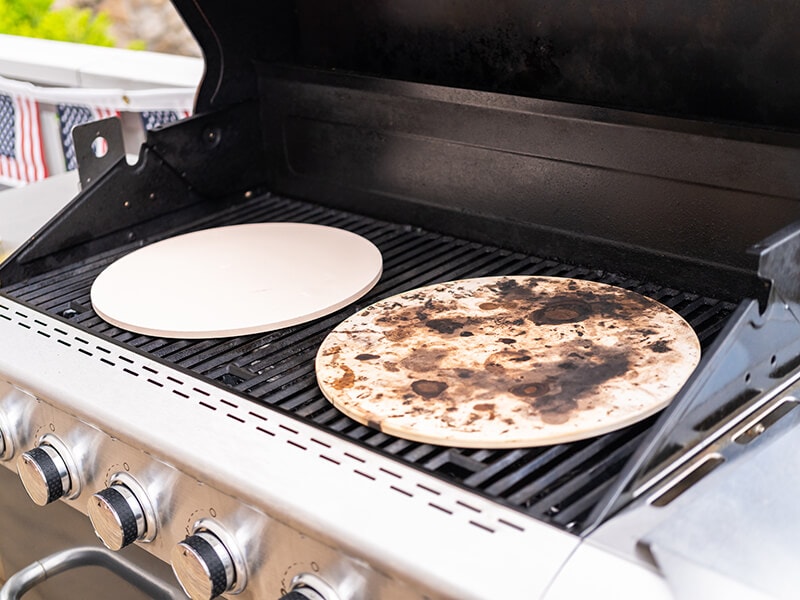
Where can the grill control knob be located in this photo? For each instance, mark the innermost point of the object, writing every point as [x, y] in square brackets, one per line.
[204, 566]
[117, 516]
[45, 474]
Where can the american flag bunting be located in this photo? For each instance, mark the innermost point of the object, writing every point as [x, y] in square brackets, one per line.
[71, 115]
[21, 152]
[22, 143]
[153, 119]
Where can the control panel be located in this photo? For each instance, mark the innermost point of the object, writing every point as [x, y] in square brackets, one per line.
[216, 544]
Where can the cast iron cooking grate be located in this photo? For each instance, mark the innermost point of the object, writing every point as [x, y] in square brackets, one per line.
[559, 484]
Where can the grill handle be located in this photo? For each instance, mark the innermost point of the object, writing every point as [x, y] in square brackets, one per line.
[83, 556]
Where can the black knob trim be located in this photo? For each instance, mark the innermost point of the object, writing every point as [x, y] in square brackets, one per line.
[294, 595]
[212, 561]
[50, 473]
[127, 519]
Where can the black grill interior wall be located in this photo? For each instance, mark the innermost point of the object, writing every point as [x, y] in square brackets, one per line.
[675, 202]
[558, 484]
[713, 61]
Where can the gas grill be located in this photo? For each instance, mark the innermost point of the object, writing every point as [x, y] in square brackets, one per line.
[423, 128]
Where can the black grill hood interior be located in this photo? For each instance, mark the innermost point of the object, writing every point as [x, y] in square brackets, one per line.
[720, 61]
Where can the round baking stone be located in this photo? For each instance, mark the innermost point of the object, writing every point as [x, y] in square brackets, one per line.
[236, 280]
[506, 362]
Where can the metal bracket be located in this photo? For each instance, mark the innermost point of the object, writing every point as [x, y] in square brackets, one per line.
[779, 263]
[98, 146]
[757, 354]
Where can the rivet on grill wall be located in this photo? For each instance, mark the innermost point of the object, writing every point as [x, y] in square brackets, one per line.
[212, 137]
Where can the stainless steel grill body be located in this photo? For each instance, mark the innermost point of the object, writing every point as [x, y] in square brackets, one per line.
[453, 171]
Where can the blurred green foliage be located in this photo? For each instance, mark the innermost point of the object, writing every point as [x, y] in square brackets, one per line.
[34, 18]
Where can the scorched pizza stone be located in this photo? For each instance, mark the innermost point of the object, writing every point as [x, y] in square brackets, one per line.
[504, 362]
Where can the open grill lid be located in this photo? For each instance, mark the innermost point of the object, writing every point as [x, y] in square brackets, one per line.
[721, 62]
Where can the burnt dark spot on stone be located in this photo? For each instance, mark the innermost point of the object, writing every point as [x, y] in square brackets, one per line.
[556, 406]
[423, 360]
[647, 332]
[464, 373]
[332, 350]
[507, 285]
[510, 293]
[367, 356]
[507, 340]
[484, 406]
[466, 334]
[567, 365]
[562, 311]
[530, 390]
[346, 380]
[660, 346]
[427, 388]
[557, 417]
[398, 333]
[488, 305]
[444, 325]
[500, 360]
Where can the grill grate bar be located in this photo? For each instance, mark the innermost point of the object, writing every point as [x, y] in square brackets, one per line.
[512, 460]
[536, 462]
[588, 457]
[575, 498]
